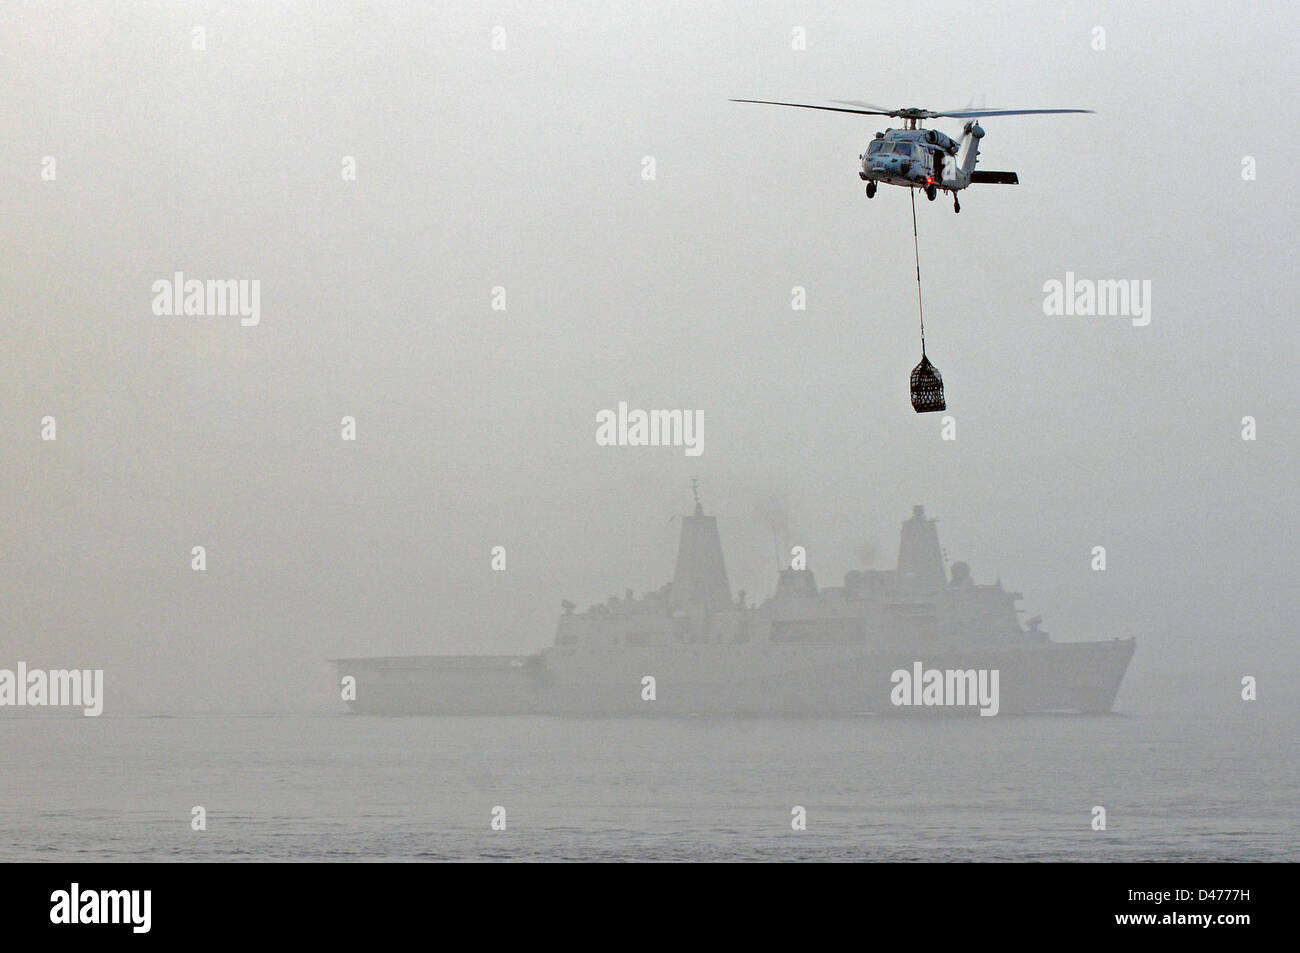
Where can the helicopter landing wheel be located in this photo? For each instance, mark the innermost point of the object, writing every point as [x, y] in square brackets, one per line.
[871, 190]
[931, 192]
[956, 204]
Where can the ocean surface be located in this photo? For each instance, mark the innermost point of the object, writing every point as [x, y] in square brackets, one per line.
[349, 788]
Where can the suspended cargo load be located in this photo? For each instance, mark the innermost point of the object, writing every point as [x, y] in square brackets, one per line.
[927, 387]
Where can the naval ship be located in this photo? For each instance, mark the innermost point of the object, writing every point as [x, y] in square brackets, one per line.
[690, 647]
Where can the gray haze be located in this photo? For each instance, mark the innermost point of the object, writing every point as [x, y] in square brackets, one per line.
[522, 168]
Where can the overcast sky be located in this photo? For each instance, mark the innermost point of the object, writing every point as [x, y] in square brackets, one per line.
[522, 168]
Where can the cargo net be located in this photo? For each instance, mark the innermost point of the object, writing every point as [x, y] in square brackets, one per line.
[927, 387]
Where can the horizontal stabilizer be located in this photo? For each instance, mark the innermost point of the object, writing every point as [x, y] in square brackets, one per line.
[995, 178]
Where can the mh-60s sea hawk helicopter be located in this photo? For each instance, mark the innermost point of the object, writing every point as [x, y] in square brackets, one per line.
[918, 158]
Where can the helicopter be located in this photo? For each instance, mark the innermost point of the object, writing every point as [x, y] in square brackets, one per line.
[926, 159]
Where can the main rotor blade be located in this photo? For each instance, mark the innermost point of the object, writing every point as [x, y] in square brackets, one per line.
[834, 109]
[972, 113]
[912, 112]
[882, 110]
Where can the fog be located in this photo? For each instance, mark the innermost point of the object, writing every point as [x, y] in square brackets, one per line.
[524, 169]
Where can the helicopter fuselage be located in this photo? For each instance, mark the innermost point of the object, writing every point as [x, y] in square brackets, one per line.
[921, 158]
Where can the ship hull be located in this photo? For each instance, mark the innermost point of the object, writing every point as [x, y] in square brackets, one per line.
[712, 679]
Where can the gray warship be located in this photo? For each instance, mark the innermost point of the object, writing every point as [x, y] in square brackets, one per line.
[690, 647]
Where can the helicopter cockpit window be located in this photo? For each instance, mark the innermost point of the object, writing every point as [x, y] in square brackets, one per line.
[875, 147]
[903, 148]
